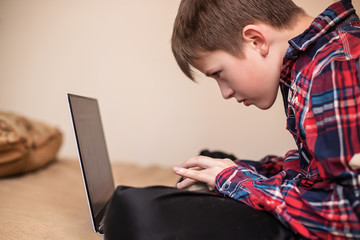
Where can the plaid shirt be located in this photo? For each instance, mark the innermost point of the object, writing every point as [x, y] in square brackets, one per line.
[314, 190]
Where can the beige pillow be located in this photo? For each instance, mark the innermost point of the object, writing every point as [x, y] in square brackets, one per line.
[25, 144]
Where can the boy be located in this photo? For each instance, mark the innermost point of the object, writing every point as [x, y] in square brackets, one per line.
[250, 48]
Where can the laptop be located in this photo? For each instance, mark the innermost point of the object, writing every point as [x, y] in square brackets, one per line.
[93, 156]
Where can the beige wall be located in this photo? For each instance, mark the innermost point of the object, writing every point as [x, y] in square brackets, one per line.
[119, 52]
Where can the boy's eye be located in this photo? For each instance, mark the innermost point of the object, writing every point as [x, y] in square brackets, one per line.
[216, 74]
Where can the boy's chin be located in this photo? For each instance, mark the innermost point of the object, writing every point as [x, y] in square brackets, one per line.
[264, 105]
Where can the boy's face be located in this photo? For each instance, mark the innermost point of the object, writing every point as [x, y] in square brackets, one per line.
[252, 79]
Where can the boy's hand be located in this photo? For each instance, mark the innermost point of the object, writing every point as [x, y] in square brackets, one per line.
[201, 169]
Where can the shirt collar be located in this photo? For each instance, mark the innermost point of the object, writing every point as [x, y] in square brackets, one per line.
[322, 24]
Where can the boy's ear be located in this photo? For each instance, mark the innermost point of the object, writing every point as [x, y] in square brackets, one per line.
[257, 38]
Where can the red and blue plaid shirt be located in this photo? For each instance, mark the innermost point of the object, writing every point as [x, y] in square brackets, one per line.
[314, 190]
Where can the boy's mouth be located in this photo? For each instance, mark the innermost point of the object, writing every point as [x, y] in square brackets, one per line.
[245, 101]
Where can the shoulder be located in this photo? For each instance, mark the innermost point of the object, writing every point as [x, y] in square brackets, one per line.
[339, 45]
[349, 36]
[334, 59]
[328, 71]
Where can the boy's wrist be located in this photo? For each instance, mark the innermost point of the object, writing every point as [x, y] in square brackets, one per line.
[222, 177]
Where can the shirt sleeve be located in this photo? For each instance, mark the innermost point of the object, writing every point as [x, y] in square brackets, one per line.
[257, 184]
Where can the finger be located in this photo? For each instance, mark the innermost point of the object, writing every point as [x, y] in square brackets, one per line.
[187, 182]
[196, 168]
[197, 175]
[198, 161]
[176, 170]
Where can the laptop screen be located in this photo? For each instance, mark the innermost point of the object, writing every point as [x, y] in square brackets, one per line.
[93, 155]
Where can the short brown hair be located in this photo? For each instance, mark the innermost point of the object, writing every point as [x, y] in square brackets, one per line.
[210, 25]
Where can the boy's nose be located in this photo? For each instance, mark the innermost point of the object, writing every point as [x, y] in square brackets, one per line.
[226, 92]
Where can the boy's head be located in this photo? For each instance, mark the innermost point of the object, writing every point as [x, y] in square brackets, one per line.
[209, 25]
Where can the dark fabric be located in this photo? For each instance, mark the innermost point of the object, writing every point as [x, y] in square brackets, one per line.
[158, 212]
[217, 154]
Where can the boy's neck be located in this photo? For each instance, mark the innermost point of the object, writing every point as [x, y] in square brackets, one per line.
[301, 24]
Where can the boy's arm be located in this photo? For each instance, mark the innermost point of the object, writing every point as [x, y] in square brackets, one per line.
[206, 169]
[258, 183]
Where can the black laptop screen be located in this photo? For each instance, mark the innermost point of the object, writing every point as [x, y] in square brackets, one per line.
[93, 153]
